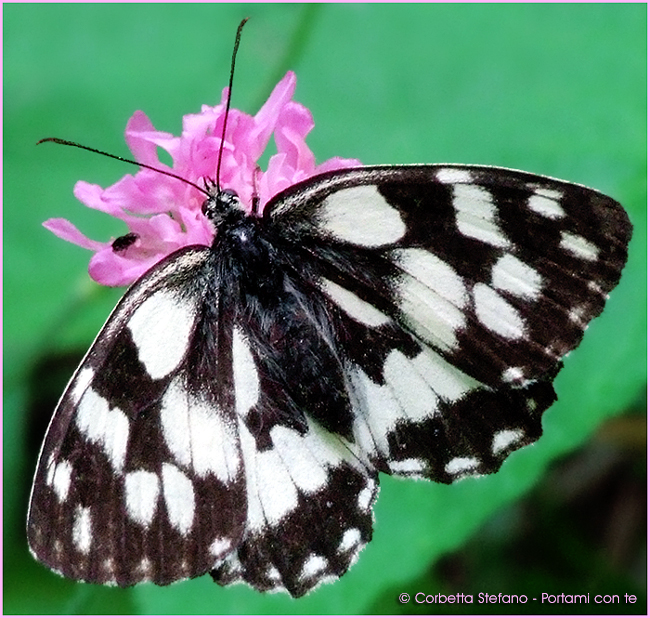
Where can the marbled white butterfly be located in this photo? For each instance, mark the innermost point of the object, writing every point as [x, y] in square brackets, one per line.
[235, 411]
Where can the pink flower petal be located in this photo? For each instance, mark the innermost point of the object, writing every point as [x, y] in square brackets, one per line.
[266, 119]
[67, 231]
[143, 150]
[166, 213]
[111, 269]
[336, 163]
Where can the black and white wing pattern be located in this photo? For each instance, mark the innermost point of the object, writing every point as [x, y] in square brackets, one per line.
[456, 291]
[234, 412]
[142, 459]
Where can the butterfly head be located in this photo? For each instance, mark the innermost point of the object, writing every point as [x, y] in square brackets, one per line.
[221, 204]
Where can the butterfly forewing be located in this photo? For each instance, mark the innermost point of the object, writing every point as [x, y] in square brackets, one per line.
[234, 412]
[499, 271]
[455, 291]
[140, 477]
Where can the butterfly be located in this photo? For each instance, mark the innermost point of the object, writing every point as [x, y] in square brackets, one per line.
[234, 413]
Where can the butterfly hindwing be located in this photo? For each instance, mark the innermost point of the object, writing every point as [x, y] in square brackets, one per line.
[310, 511]
[303, 471]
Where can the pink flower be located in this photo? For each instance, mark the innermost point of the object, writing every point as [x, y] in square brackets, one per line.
[164, 212]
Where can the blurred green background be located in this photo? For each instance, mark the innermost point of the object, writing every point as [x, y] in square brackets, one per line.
[556, 89]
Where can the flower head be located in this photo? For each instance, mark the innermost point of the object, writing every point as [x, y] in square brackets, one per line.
[164, 213]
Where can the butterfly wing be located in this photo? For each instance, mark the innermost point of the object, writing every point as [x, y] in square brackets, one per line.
[140, 476]
[310, 511]
[453, 292]
[234, 411]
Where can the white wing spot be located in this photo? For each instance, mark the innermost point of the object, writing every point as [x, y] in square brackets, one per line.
[513, 375]
[59, 477]
[274, 575]
[313, 566]
[432, 296]
[179, 498]
[298, 456]
[351, 539]
[141, 490]
[503, 440]
[553, 194]
[269, 487]
[144, 569]
[82, 529]
[161, 328]
[427, 314]
[379, 412]
[433, 272]
[476, 215]
[360, 215]
[446, 381]
[245, 376]
[408, 467]
[511, 275]
[417, 399]
[545, 203]
[461, 465]
[594, 287]
[108, 566]
[364, 500]
[577, 316]
[58, 550]
[496, 314]
[580, 247]
[233, 566]
[355, 307]
[198, 435]
[296, 465]
[451, 176]
[220, 547]
[104, 426]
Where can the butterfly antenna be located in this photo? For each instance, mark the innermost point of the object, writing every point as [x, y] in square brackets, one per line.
[205, 191]
[65, 142]
[225, 119]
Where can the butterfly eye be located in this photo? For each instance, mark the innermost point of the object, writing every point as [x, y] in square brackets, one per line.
[228, 195]
[208, 206]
